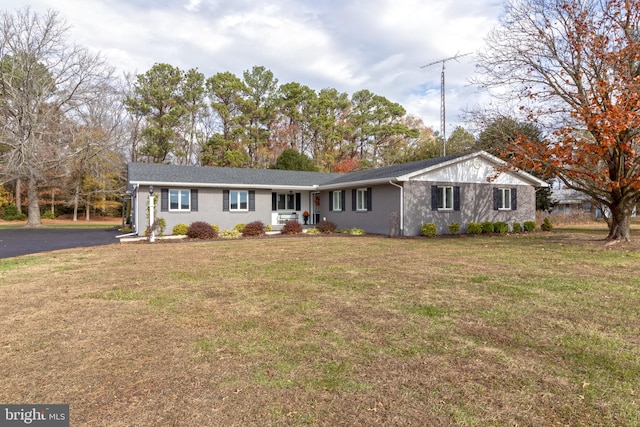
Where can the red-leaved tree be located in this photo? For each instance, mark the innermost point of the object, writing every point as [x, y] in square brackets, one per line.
[574, 68]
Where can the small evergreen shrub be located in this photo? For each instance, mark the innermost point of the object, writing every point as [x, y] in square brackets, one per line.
[529, 226]
[356, 231]
[428, 229]
[474, 228]
[230, 234]
[216, 228]
[180, 229]
[254, 229]
[454, 228]
[487, 227]
[201, 230]
[240, 227]
[313, 231]
[546, 224]
[501, 227]
[291, 227]
[48, 215]
[326, 227]
[268, 228]
[10, 213]
[516, 227]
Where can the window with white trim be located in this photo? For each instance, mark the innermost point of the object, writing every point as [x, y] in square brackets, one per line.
[286, 202]
[238, 200]
[337, 200]
[504, 199]
[445, 198]
[179, 200]
[362, 199]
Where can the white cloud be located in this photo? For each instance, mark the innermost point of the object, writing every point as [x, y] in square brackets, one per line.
[349, 45]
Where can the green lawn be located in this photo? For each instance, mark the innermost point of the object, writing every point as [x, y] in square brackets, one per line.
[530, 329]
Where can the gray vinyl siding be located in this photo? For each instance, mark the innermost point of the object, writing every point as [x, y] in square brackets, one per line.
[209, 210]
[476, 205]
[385, 199]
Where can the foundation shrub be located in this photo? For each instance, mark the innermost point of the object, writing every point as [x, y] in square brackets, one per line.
[428, 229]
[454, 228]
[180, 229]
[546, 225]
[474, 228]
[517, 227]
[230, 234]
[254, 229]
[291, 227]
[201, 230]
[529, 226]
[326, 227]
[501, 227]
[487, 227]
[240, 227]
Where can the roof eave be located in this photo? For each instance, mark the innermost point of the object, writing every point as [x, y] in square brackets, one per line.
[360, 183]
[224, 185]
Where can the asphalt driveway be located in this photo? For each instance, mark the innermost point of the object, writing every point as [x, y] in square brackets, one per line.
[22, 241]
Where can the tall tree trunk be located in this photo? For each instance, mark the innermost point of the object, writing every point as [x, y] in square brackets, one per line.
[76, 202]
[34, 219]
[620, 223]
[19, 195]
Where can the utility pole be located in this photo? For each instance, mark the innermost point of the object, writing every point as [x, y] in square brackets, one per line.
[443, 121]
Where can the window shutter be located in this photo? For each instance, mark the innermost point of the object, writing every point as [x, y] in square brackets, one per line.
[164, 199]
[456, 198]
[252, 200]
[369, 198]
[298, 201]
[194, 200]
[496, 197]
[225, 200]
[344, 207]
[330, 200]
[274, 201]
[434, 197]
[514, 199]
[354, 195]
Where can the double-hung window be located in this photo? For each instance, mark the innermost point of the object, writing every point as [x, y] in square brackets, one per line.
[504, 199]
[179, 200]
[286, 202]
[362, 199]
[238, 200]
[337, 201]
[445, 198]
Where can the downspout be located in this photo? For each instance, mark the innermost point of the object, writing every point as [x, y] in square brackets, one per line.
[135, 196]
[401, 231]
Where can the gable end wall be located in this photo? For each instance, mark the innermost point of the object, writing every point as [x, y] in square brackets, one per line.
[476, 205]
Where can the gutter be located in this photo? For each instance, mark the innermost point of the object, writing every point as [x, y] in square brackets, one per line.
[401, 231]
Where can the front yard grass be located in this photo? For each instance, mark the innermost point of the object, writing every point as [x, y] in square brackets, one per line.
[529, 329]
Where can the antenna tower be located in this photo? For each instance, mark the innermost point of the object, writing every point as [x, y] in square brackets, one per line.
[443, 121]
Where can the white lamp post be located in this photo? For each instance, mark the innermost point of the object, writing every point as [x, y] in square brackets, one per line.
[152, 214]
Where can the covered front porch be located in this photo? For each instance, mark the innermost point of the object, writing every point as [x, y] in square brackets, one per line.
[302, 207]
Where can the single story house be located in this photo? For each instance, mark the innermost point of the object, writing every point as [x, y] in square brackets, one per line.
[392, 200]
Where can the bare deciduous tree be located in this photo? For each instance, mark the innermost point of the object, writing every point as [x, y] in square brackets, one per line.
[43, 81]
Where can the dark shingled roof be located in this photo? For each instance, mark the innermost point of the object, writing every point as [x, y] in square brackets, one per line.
[390, 172]
[150, 172]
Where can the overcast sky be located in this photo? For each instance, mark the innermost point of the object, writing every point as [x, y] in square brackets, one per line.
[349, 45]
